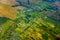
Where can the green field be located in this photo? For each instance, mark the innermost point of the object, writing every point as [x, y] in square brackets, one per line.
[30, 25]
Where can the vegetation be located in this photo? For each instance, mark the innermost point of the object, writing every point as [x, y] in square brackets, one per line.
[30, 25]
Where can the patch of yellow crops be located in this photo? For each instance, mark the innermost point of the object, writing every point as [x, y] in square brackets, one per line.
[38, 35]
[18, 29]
[33, 35]
[37, 20]
[49, 38]
[30, 29]
[27, 24]
[22, 24]
[7, 11]
[51, 25]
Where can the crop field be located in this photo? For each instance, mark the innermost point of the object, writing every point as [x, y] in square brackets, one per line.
[30, 20]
